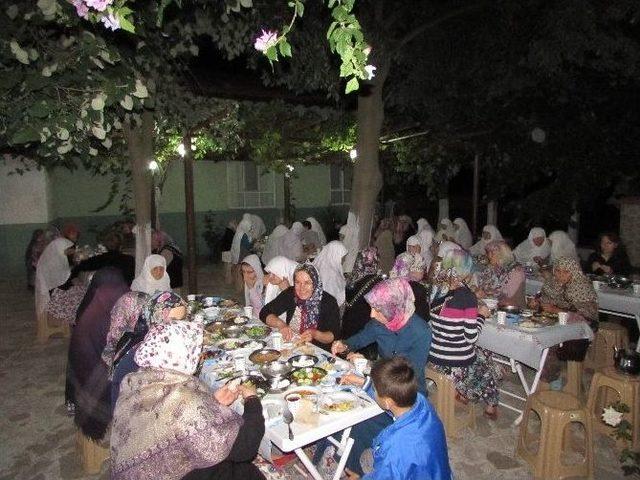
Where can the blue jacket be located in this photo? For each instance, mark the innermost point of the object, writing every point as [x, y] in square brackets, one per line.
[414, 447]
[412, 342]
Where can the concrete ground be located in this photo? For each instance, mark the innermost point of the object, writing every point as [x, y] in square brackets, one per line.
[37, 437]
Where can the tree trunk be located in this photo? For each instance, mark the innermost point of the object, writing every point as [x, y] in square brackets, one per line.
[367, 178]
[443, 209]
[191, 219]
[140, 147]
[492, 213]
[287, 200]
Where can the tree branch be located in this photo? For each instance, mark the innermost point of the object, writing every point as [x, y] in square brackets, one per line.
[434, 23]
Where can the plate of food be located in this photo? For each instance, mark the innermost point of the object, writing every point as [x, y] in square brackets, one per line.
[529, 326]
[233, 331]
[264, 355]
[257, 331]
[339, 366]
[212, 354]
[254, 345]
[228, 314]
[230, 344]
[304, 392]
[227, 303]
[250, 380]
[307, 375]
[339, 402]
[301, 361]
[241, 320]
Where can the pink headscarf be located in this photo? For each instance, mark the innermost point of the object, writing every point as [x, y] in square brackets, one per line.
[395, 300]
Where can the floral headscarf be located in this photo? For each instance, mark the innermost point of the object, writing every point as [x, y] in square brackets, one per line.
[310, 308]
[577, 295]
[367, 263]
[158, 307]
[171, 346]
[395, 300]
[406, 263]
[494, 277]
[124, 317]
[455, 264]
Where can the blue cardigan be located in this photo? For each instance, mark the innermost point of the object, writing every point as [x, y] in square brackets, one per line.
[414, 447]
[412, 342]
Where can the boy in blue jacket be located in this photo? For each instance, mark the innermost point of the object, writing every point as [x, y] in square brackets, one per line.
[414, 446]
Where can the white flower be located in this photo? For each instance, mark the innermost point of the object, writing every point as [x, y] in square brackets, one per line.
[370, 69]
[98, 102]
[611, 416]
[127, 102]
[140, 91]
[538, 135]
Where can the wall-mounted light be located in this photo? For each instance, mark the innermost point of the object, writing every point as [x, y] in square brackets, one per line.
[353, 154]
[181, 150]
[153, 165]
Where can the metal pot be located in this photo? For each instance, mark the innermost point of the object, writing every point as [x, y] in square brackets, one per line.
[627, 361]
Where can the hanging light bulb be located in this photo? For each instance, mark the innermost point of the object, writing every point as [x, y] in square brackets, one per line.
[181, 150]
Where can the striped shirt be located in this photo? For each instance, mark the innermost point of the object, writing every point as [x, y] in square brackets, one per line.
[455, 326]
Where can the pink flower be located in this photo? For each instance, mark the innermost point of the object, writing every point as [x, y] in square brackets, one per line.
[266, 40]
[99, 5]
[81, 8]
[110, 21]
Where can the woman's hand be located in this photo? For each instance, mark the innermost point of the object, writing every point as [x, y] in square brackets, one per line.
[353, 355]
[595, 266]
[247, 391]
[287, 333]
[225, 396]
[352, 379]
[484, 311]
[338, 347]
[309, 335]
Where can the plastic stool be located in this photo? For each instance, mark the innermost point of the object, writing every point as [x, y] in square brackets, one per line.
[600, 353]
[557, 410]
[92, 454]
[607, 387]
[574, 380]
[445, 402]
[45, 329]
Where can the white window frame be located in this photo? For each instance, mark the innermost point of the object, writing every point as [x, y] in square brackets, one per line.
[266, 186]
[341, 190]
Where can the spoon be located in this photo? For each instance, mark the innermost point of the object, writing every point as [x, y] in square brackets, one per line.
[287, 416]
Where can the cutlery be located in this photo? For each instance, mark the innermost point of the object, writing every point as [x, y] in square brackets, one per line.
[287, 416]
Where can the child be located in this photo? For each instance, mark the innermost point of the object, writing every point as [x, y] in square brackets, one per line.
[413, 447]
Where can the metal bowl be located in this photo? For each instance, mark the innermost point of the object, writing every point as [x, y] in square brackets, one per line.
[275, 369]
[620, 282]
[254, 345]
[240, 320]
[301, 361]
[233, 331]
[627, 361]
[510, 309]
[212, 313]
[255, 356]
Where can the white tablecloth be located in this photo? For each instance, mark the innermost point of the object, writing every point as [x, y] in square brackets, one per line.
[527, 347]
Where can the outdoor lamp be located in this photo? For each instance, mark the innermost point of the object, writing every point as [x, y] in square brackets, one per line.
[353, 154]
[153, 165]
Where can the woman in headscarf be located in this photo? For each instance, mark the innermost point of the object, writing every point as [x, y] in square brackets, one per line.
[35, 248]
[384, 244]
[272, 245]
[253, 278]
[463, 235]
[88, 384]
[569, 290]
[489, 233]
[242, 240]
[163, 244]
[290, 244]
[438, 287]
[457, 321]
[153, 277]
[424, 225]
[329, 266]
[403, 230]
[316, 227]
[349, 236]
[279, 276]
[163, 307]
[311, 312]
[504, 278]
[258, 229]
[398, 331]
[562, 246]
[446, 231]
[610, 257]
[535, 250]
[52, 271]
[411, 268]
[168, 425]
[426, 242]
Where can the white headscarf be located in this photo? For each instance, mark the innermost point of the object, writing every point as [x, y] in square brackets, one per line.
[446, 247]
[527, 250]
[463, 235]
[316, 227]
[426, 239]
[145, 282]
[423, 224]
[562, 246]
[258, 229]
[272, 246]
[243, 228]
[52, 270]
[329, 266]
[254, 262]
[282, 267]
[349, 237]
[290, 244]
[445, 228]
[479, 247]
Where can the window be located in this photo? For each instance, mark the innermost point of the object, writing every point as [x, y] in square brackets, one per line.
[250, 186]
[341, 176]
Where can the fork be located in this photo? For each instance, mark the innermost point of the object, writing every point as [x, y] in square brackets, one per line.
[287, 416]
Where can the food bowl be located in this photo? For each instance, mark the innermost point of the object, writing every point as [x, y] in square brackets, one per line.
[275, 370]
[264, 356]
[240, 320]
[512, 309]
[308, 375]
[211, 313]
[301, 361]
[233, 331]
[491, 303]
[253, 345]
[257, 331]
[627, 361]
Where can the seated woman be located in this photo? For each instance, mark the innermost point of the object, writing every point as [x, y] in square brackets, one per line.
[113, 257]
[398, 331]
[562, 246]
[253, 279]
[328, 263]
[610, 258]
[279, 276]
[163, 244]
[88, 384]
[411, 268]
[384, 244]
[52, 271]
[242, 240]
[414, 445]
[310, 312]
[504, 278]
[272, 245]
[457, 321]
[569, 290]
[167, 424]
[290, 244]
[163, 307]
[489, 234]
[463, 235]
[153, 277]
[535, 250]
